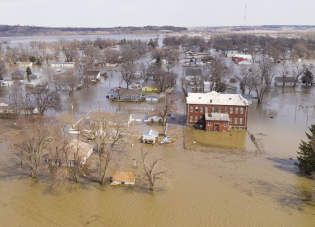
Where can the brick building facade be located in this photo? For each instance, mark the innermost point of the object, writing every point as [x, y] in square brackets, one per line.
[199, 104]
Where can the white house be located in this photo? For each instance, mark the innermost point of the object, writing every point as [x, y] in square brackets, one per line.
[63, 64]
[24, 64]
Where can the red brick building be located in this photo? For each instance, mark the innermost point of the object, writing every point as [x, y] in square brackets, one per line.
[217, 122]
[233, 105]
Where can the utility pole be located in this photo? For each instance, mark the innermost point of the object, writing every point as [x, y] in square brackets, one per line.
[245, 16]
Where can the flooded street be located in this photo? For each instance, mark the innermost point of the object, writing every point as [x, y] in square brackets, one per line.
[206, 188]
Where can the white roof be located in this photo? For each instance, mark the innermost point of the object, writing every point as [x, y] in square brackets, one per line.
[150, 132]
[217, 117]
[216, 99]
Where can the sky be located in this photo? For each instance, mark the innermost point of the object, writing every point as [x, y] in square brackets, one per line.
[186, 13]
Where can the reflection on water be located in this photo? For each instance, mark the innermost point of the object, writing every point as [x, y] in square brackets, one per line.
[234, 139]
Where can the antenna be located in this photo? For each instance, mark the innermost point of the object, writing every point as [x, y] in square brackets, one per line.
[245, 16]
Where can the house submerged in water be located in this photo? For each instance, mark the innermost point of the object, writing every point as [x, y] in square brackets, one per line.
[125, 95]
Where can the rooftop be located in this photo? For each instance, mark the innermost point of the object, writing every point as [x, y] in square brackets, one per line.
[150, 132]
[124, 91]
[215, 98]
[217, 117]
[78, 147]
[124, 176]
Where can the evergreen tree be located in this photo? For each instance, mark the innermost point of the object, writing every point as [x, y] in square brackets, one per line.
[158, 61]
[28, 71]
[308, 78]
[306, 155]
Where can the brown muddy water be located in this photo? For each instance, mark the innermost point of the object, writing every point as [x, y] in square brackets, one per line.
[205, 188]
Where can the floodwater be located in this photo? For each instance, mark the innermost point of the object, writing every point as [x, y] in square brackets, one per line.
[205, 188]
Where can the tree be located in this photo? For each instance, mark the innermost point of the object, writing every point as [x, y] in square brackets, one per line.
[151, 169]
[3, 69]
[297, 72]
[32, 59]
[127, 73]
[44, 99]
[166, 107]
[243, 78]
[106, 133]
[31, 147]
[218, 72]
[284, 73]
[144, 72]
[262, 79]
[308, 78]
[28, 71]
[306, 155]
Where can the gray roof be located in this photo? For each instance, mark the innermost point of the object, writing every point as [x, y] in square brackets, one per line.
[193, 71]
[150, 132]
[286, 79]
[217, 117]
[19, 73]
[124, 91]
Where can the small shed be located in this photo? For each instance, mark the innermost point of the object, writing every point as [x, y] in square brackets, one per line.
[123, 178]
[150, 136]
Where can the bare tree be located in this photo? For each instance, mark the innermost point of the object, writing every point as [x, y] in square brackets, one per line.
[297, 72]
[127, 74]
[263, 78]
[3, 69]
[166, 107]
[144, 72]
[31, 147]
[44, 99]
[163, 79]
[243, 78]
[152, 169]
[284, 73]
[106, 132]
[68, 48]
[218, 72]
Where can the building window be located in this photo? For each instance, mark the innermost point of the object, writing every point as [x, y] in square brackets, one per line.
[231, 120]
[235, 120]
[201, 109]
[209, 123]
[226, 110]
[236, 110]
[191, 119]
[212, 109]
[224, 124]
[206, 109]
[196, 110]
[231, 110]
[241, 121]
[191, 109]
[210, 100]
[196, 118]
[216, 110]
[241, 110]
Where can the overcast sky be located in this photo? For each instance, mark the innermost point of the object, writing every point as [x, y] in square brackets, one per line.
[188, 13]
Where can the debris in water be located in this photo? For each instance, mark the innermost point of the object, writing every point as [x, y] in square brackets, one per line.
[93, 218]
